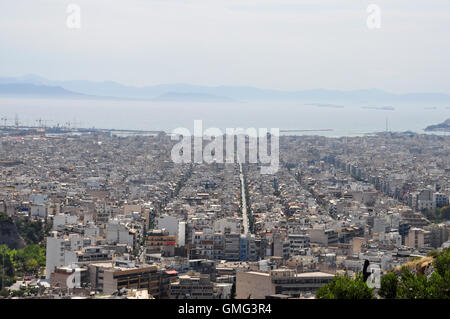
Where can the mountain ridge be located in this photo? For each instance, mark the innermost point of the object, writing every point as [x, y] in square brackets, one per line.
[114, 90]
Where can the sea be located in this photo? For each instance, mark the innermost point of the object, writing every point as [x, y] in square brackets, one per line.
[303, 118]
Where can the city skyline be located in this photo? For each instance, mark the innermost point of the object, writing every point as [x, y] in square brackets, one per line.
[194, 152]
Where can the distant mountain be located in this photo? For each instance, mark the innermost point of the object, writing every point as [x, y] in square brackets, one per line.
[32, 90]
[442, 127]
[189, 92]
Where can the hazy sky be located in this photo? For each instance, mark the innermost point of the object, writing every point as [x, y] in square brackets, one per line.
[280, 44]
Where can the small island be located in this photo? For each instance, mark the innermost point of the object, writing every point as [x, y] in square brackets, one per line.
[442, 127]
[382, 108]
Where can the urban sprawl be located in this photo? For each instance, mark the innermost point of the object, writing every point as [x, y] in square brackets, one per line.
[122, 220]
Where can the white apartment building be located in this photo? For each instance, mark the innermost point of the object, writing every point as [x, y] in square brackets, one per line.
[61, 251]
[117, 233]
[63, 219]
[169, 223]
[38, 210]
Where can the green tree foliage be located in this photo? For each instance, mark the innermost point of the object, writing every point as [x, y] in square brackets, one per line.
[28, 260]
[6, 266]
[344, 287]
[33, 232]
[412, 286]
[18, 293]
[4, 293]
[442, 262]
[438, 215]
[5, 218]
[406, 285]
[418, 286]
[439, 286]
[389, 286]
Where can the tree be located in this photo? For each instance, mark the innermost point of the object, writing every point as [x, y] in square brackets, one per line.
[442, 262]
[440, 279]
[18, 293]
[31, 265]
[344, 287]
[389, 286]
[438, 287]
[33, 232]
[412, 286]
[6, 267]
[4, 293]
[438, 215]
[29, 259]
[419, 286]
[5, 218]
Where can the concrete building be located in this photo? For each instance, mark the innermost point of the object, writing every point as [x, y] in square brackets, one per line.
[117, 233]
[192, 286]
[68, 277]
[418, 238]
[169, 223]
[440, 200]
[109, 279]
[281, 247]
[61, 251]
[259, 285]
[439, 234]
[326, 237]
[247, 249]
[232, 247]
[38, 210]
[60, 220]
[297, 243]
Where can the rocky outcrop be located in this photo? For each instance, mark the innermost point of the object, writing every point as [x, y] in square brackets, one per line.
[10, 236]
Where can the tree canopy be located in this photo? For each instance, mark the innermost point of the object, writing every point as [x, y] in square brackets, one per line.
[26, 261]
[405, 285]
[419, 286]
[344, 287]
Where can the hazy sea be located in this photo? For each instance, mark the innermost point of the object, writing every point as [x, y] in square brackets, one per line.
[342, 119]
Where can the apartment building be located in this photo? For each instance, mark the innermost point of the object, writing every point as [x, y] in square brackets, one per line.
[297, 243]
[61, 251]
[418, 238]
[109, 279]
[231, 246]
[192, 286]
[326, 237]
[259, 285]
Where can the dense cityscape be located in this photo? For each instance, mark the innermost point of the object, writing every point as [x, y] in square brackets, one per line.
[101, 215]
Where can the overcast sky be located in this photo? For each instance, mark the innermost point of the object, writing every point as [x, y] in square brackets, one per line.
[280, 44]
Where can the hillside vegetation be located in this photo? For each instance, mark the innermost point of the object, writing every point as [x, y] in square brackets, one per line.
[421, 278]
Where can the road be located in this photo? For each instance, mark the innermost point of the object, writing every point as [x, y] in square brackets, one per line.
[244, 200]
